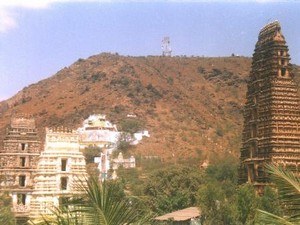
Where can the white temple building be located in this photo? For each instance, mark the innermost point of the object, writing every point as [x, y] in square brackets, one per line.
[61, 169]
[97, 131]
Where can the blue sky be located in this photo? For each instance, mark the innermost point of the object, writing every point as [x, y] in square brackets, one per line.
[40, 37]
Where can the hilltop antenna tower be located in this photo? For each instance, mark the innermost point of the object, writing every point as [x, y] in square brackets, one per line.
[166, 47]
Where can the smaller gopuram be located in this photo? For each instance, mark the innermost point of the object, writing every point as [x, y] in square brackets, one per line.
[18, 163]
[60, 171]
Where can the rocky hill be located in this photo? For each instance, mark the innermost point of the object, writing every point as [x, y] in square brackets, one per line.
[192, 106]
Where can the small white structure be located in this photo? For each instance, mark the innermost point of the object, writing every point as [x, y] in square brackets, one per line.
[166, 47]
[131, 116]
[120, 161]
[97, 131]
[61, 168]
[103, 163]
[137, 137]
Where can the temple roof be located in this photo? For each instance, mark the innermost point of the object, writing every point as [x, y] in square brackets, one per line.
[22, 122]
[270, 32]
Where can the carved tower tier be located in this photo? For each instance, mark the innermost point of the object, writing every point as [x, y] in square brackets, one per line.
[18, 162]
[271, 114]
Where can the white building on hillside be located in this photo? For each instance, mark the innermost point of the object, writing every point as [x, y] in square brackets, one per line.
[97, 131]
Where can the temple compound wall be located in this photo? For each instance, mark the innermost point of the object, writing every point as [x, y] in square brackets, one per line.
[18, 162]
[272, 114]
[60, 171]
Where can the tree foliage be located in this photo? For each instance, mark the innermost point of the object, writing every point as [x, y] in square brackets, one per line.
[6, 215]
[222, 201]
[90, 153]
[131, 125]
[172, 188]
[288, 186]
[217, 196]
[100, 204]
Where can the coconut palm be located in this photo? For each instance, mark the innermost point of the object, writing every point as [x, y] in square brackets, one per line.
[288, 186]
[100, 206]
[59, 216]
[97, 206]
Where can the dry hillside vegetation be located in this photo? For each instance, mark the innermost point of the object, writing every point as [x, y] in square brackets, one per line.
[192, 106]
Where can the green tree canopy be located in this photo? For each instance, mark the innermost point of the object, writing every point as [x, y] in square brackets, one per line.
[172, 188]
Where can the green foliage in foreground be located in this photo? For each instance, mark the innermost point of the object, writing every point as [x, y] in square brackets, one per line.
[98, 205]
[288, 186]
[6, 215]
[223, 202]
[215, 190]
[172, 188]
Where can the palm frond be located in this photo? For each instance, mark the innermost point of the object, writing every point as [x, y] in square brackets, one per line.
[266, 218]
[100, 206]
[96, 205]
[59, 216]
[288, 186]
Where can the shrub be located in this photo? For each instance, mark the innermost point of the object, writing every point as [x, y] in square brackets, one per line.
[201, 70]
[131, 125]
[98, 76]
[170, 80]
[91, 152]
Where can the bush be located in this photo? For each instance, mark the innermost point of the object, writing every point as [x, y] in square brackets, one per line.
[170, 80]
[154, 91]
[201, 70]
[98, 76]
[131, 125]
[91, 152]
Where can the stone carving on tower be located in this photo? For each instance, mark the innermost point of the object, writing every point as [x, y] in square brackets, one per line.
[272, 114]
[60, 171]
[18, 162]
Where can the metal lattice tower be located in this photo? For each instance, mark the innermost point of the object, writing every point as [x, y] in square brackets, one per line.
[166, 47]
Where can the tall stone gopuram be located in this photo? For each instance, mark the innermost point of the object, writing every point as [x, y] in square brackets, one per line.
[272, 113]
[18, 163]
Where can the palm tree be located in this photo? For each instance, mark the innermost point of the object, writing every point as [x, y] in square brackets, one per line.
[98, 206]
[6, 216]
[59, 216]
[288, 186]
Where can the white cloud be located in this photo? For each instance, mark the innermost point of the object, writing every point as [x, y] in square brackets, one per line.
[8, 20]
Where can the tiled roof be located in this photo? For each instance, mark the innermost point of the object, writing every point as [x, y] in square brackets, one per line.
[181, 215]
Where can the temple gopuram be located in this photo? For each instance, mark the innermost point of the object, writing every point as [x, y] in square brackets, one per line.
[272, 114]
[60, 171]
[18, 163]
[39, 178]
